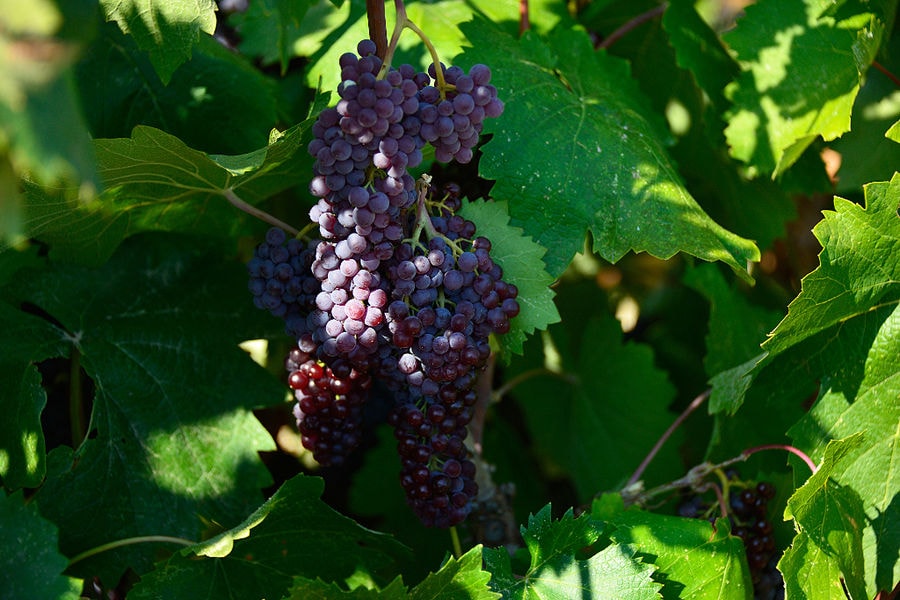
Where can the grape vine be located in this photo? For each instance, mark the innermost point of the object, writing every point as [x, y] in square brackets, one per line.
[397, 287]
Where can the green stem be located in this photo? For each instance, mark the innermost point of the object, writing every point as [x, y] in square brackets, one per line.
[76, 399]
[129, 542]
[454, 538]
[236, 201]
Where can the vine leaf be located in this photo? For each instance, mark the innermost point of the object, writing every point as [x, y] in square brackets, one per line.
[173, 442]
[573, 153]
[831, 516]
[592, 413]
[270, 28]
[26, 340]
[802, 71]
[155, 182]
[457, 579]
[840, 337]
[520, 258]
[692, 559]
[32, 567]
[316, 589]
[556, 572]
[167, 31]
[293, 534]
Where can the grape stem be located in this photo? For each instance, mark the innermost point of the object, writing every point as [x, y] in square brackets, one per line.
[238, 203]
[795, 451]
[632, 24]
[404, 22]
[694, 405]
[129, 542]
[888, 74]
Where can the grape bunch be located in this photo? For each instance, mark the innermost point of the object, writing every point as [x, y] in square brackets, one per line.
[397, 287]
[748, 513]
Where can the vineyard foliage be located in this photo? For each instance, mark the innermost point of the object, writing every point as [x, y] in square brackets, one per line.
[697, 201]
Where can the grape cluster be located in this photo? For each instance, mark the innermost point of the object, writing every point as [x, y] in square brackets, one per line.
[397, 287]
[748, 514]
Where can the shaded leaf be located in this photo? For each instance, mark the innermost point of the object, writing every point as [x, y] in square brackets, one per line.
[292, 534]
[809, 572]
[588, 414]
[270, 28]
[25, 340]
[173, 444]
[316, 589]
[573, 152]
[156, 182]
[30, 564]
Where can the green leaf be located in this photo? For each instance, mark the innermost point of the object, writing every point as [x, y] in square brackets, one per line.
[802, 72]
[30, 564]
[216, 102]
[573, 152]
[167, 31]
[25, 340]
[587, 414]
[699, 50]
[173, 443]
[692, 559]
[292, 534]
[866, 152]
[809, 572]
[555, 571]
[848, 283]
[736, 327]
[270, 28]
[156, 182]
[457, 579]
[520, 258]
[832, 516]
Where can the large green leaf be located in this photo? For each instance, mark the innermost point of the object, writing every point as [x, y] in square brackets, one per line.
[155, 182]
[172, 445]
[574, 152]
[167, 31]
[692, 559]
[555, 572]
[521, 260]
[30, 564]
[802, 71]
[609, 401]
[461, 579]
[292, 534]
